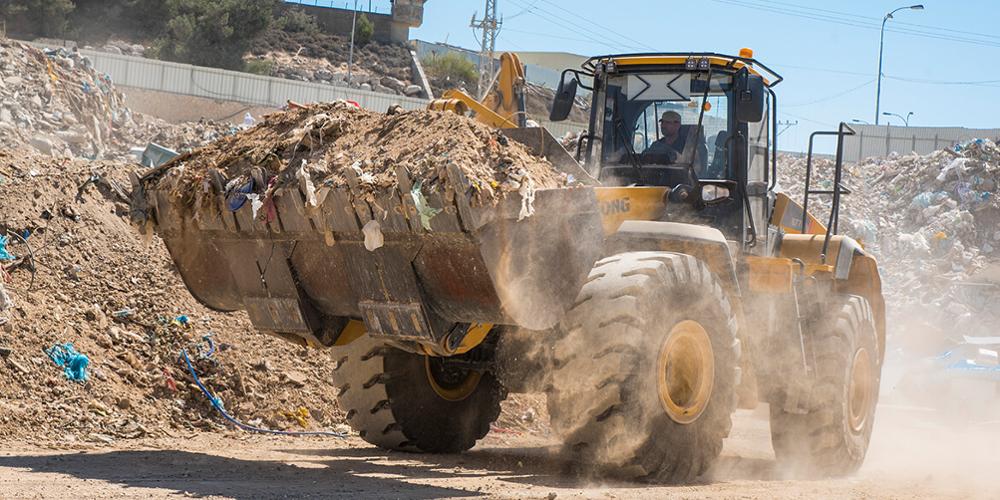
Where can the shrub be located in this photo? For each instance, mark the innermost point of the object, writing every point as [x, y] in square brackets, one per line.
[259, 67]
[453, 67]
[297, 21]
[364, 30]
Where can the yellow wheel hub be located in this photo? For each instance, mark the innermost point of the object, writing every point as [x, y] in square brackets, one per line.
[860, 390]
[685, 372]
[449, 384]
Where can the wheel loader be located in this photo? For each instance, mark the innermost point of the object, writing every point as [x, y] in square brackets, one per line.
[673, 283]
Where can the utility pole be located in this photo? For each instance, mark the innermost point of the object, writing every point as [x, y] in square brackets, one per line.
[490, 26]
[350, 58]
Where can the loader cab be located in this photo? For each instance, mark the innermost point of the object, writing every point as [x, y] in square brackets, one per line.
[716, 168]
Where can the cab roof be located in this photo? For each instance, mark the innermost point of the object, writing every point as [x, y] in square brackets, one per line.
[727, 63]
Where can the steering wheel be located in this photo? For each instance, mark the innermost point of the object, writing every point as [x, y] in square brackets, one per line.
[668, 157]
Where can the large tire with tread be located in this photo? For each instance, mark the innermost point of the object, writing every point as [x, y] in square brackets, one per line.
[832, 438]
[390, 401]
[604, 399]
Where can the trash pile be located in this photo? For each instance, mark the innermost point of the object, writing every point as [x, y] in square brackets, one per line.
[56, 103]
[94, 320]
[326, 146]
[933, 221]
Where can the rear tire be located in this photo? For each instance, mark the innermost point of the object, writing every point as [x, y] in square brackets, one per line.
[615, 397]
[832, 438]
[402, 401]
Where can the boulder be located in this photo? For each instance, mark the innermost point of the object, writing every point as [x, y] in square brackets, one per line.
[393, 83]
[413, 90]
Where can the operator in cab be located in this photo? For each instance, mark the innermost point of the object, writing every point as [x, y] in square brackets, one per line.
[671, 147]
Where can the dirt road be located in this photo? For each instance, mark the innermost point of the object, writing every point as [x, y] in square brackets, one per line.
[908, 459]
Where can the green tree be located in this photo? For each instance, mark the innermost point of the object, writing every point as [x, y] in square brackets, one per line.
[364, 30]
[213, 33]
[451, 69]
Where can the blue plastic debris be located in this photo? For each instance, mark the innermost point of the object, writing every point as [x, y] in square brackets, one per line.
[238, 197]
[74, 364]
[4, 254]
[182, 321]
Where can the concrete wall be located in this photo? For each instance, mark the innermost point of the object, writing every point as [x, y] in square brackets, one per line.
[393, 27]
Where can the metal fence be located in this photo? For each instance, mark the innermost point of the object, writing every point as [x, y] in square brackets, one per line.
[872, 140]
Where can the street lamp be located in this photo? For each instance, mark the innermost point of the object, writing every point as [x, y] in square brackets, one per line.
[906, 120]
[881, 43]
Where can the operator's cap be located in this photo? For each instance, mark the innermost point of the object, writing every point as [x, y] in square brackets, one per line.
[670, 114]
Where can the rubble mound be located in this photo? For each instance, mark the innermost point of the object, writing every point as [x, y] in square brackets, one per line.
[56, 103]
[118, 300]
[331, 142]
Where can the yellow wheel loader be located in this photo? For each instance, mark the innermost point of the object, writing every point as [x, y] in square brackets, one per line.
[675, 283]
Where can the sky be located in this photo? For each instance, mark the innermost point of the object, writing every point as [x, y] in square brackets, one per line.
[941, 63]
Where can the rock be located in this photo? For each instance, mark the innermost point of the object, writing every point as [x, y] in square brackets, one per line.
[5, 116]
[296, 377]
[393, 83]
[366, 86]
[112, 49]
[43, 144]
[413, 91]
[323, 75]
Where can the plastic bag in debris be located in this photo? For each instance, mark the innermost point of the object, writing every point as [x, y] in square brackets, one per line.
[5, 301]
[73, 363]
[924, 200]
[306, 186]
[4, 254]
[423, 208]
[374, 239]
[248, 120]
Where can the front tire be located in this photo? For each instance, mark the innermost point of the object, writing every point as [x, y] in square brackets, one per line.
[644, 377]
[832, 438]
[402, 401]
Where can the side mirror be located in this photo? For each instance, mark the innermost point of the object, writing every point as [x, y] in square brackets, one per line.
[565, 97]
[749, 97]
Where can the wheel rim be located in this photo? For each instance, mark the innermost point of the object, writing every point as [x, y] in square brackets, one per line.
[685, 372]
[860, 389]
[448, 382]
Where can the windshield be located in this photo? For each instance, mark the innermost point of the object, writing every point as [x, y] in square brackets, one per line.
[651, 119]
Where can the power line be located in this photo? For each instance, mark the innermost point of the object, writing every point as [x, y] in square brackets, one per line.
[811, 8]
[568, 25]
[818, 16]
[832, 97]
[598, 25]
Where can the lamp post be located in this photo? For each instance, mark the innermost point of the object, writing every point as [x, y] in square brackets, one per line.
[350, 58]
[881, 43]
[906, 119]
[863, 122]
